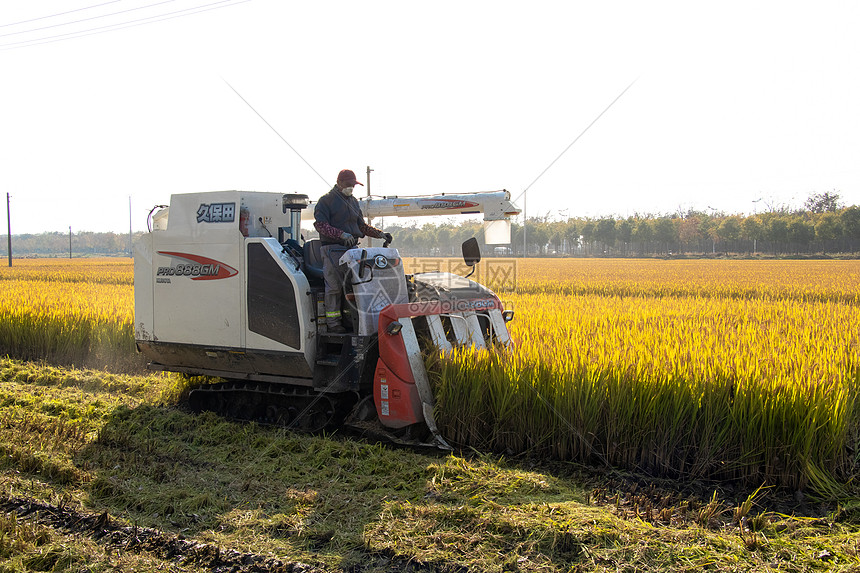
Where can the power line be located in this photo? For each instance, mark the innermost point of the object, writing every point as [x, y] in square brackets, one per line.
[276, 132]
[578, 136]
[108, 15]
[523, 194]
[122, 25]
[59, 14]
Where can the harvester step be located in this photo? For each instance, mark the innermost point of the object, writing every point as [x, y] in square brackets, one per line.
[336, 335]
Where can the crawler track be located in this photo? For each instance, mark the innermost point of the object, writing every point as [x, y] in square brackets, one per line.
[297, 408]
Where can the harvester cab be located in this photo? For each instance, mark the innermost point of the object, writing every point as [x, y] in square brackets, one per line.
[226, 287]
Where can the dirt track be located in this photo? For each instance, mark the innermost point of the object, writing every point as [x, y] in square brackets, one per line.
[175, 548]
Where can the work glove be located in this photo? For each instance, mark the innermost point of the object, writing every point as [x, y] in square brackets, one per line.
[348, 239]
[388, 238]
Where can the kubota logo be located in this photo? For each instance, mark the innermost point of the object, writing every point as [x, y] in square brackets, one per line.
[198, 268]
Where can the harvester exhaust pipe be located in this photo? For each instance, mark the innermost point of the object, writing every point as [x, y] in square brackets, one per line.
[295, 204]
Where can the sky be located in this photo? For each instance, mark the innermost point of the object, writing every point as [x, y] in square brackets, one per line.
[109, 107]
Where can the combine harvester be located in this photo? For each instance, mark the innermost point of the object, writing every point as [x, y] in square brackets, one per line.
[225, 286]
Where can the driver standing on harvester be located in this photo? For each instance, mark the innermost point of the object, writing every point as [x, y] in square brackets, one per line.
[340, 224]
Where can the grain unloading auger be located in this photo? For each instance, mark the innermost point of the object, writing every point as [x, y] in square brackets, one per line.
[225, 287]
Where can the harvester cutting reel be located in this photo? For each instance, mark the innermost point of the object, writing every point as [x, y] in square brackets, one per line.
[402, 395]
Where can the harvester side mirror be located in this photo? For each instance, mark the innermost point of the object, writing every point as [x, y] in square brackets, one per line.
[471, 254]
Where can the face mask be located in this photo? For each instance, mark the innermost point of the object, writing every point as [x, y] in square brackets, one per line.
[347, 191]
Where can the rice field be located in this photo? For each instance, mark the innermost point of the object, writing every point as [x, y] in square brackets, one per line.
[78, 311]
[692, 369]
[742, 370]
[96, 270]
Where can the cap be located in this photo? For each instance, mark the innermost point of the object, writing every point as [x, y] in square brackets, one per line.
[346, 178]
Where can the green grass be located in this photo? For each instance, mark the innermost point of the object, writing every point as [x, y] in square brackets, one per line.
[120, 445]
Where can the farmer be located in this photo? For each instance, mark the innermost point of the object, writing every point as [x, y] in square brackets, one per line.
[340, 224]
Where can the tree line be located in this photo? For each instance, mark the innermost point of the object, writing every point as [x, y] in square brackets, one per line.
[55, 244]
[822, 226]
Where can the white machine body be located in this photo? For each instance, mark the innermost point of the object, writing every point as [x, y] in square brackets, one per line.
[212, 283]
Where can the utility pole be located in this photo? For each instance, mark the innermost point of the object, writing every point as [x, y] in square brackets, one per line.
[70, 241]
[755, 214]
[130, 248]
[525, 220]
[713, 241]
[369, 220]
[9, 231]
